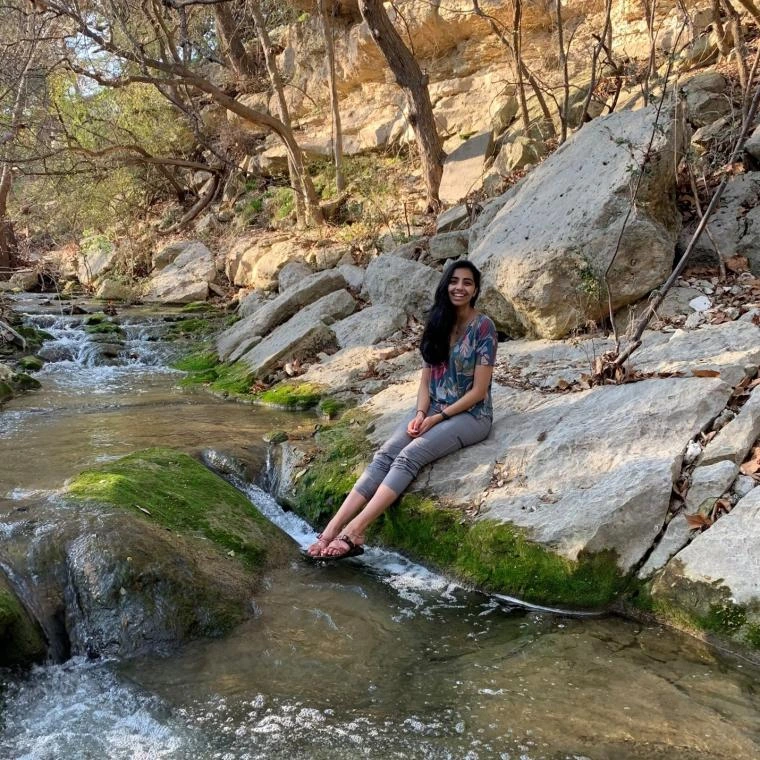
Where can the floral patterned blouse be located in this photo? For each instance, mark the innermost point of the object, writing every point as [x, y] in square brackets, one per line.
[450, 380]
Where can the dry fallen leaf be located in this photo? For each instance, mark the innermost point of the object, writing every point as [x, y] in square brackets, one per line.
[737, 264]
[705, 373]
[698, 521]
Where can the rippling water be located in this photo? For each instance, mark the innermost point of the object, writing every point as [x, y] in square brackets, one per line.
[375, 657]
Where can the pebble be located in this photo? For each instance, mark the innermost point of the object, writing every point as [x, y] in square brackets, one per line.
[723, 419]
[693, 450]
[694, 320]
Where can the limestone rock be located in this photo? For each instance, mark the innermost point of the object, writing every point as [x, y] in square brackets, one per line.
[752, 148]
[543, 254]
[250, 302]
[716, 575]
[353, 275]
[735, 439]
[292, 274]
[186, 279]
[237, 339]
[518, 154]
[707, 99]
[735, 224]
[463, 168]
[568, 487]
[676, 536]
[259, 265]
[455, 218]
[369, 326]
[114, 290]
[404, 284]
[708, 483]
[711, 134]
[449, 245]
[303, 336]
[25, 279]
[95, 263]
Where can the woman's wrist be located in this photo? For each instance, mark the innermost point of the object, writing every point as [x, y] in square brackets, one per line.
[422, 412]
[444, 416]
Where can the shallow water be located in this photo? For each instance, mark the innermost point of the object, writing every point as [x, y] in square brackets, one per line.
[375, 657]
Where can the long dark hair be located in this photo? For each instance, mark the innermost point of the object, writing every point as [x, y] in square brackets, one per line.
[435, 338]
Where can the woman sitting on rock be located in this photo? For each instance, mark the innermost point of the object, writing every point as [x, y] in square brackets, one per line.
[453, 410]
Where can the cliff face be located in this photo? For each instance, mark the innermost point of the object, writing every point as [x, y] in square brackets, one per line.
[470, 69]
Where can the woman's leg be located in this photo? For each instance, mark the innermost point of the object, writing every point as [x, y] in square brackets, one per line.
[445, 438]
[364, 489]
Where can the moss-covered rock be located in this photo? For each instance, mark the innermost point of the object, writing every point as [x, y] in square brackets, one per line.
[6, 392]
[290, 396]
[177, 554]
[21, 641]
[492, 556]
[23, 382]
[31, 363]
[104, 328]
[174, 490]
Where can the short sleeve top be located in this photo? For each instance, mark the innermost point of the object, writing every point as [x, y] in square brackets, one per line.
[450, 380]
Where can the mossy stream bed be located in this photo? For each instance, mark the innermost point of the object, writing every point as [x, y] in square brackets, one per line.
[377, 657]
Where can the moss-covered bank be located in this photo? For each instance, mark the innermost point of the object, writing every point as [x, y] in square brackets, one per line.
[236, 381]
[21, 641]
[491, 556]
[173, 489]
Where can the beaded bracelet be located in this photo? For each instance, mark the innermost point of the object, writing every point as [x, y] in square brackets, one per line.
[444, 415]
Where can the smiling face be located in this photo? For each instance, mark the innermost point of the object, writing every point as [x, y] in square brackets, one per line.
[462, 288]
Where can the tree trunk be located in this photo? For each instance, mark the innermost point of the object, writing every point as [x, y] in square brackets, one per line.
[565, 110]
[232, 44]
[297, 179]
[337, 128]
[413, 82]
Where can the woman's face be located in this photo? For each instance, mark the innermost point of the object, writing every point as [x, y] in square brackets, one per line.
[462, 287]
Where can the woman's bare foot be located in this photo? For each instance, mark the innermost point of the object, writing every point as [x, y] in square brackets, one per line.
[344, 546]
[319, 546]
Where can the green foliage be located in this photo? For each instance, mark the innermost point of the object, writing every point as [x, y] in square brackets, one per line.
[283, 202]
[180, 494]
[330, 408]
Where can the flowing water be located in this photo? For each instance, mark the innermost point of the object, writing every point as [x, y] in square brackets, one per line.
[375, 657]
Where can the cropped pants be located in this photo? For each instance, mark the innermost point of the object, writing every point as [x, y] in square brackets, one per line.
[401, 457]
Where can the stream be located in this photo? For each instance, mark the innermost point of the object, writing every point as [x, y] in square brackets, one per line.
[374, 657]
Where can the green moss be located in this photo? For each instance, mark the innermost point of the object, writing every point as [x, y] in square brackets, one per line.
[104, 328]
[196, 306]
[193, 326]
[489, 555]
[21, 641]
[291, 396]
[753, 635]
[180, 494]
[95, 319]
[330, 408]
[200, 361]
[724, 618]
[6, 392]
[343, 452]
[34, 337]
[498, 557]
[232, 379]
[23, 382]
[31, 363]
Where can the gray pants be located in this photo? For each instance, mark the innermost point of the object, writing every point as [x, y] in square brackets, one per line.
[401, 457]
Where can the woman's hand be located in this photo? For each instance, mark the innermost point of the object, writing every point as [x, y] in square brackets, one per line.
[413, 428]
[428, 423]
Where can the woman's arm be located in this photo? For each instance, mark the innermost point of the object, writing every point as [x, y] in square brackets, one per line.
[479, 391]
[423, 403]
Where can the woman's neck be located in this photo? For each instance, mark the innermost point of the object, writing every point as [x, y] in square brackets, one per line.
[463, 315]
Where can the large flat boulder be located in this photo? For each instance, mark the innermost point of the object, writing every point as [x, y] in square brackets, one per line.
[186, 278]
[239, 338]
[464, 166]
[302, 336]
[545, 252]
[573, 485]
